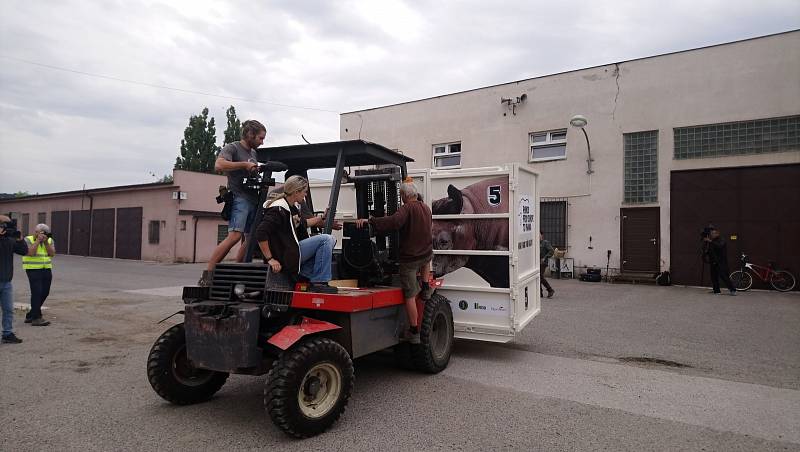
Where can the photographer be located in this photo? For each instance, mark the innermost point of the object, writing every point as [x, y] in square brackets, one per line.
[717, 252]
[238, 161]
[9, 244]
[38, 265]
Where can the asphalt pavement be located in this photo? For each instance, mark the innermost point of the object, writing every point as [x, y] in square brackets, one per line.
[604, 367]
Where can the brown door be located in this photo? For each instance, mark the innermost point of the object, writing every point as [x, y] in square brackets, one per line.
[79, 233]
[102, 233]
[129, 233]
[755, 209]
[640, 239]
[59, 226]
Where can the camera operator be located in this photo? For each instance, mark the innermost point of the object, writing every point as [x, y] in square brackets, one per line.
[38, 265]
[10, 243]
[238, 161]
[717, 252]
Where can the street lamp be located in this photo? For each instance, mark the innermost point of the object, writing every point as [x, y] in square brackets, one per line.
[580, 122]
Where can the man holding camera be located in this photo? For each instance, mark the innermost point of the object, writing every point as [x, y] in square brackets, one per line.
[10, 244]
[238, 161]
[38, 265]
[717, 252]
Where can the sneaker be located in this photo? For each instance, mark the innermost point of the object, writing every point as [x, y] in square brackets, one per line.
[11, 338]
[733, 293]
[714, 293]
[322, 288]
[427, 291]
[40, 322]
[205, 280]
[550, 293]
[28, 320]
[411, 336]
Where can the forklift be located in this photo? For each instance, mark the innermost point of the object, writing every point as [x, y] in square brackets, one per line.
[255, 322]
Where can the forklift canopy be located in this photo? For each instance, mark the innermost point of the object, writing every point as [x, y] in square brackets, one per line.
[302, 157]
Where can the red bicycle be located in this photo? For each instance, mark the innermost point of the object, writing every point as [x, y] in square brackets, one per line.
[781, 280]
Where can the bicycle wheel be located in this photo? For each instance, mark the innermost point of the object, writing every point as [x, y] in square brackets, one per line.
[741, 280]
[782, 281]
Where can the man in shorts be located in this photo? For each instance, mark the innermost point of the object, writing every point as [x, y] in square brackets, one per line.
[413, 219]
[238, 160]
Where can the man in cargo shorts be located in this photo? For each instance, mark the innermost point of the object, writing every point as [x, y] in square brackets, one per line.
[238, 160]
[413, 219]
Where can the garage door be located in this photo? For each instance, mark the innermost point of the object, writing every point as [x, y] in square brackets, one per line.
[129, 233]
[59, 226]
[754, 207]
[102, 233]
[79, 233]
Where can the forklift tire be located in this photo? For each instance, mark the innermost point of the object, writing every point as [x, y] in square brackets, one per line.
[436, 336]
[309, 386]
[172, 375]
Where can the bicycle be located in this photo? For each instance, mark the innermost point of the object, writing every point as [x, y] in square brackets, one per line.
[781, 280]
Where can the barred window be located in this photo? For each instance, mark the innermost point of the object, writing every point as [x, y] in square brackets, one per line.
[41, 217]
[222, 233]
[154, 232]
[738, 138]
[553, 221]
[641, 167]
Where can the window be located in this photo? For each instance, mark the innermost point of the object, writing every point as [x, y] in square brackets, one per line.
[41, 217]
[553, 221]
[738, 138]
[26, 224]
[183, 225]
[550, 145]
[222, 232]
[447, 155]
[154, 232]
[641, 167]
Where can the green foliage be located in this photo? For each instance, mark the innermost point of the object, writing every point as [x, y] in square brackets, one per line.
[199, 145]
[233, 132]
[167, 178]
[20, 194]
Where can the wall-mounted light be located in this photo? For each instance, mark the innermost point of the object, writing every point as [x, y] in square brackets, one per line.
[512, 103]
[580, 122]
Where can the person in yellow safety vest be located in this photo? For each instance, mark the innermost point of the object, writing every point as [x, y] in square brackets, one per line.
[38, 266]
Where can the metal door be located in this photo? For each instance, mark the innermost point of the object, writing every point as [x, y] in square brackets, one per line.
[102, 233]
[129, 233]
[79, 233]
[640, 232]
[59, 226]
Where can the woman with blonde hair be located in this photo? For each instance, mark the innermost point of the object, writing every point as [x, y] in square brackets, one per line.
[283, 238]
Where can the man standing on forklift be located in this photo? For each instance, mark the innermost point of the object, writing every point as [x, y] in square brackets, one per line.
[413, 219]
[238, 160]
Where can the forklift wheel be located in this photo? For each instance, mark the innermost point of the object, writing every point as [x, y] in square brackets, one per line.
[436, 336]
[172, 375]
[309, 386]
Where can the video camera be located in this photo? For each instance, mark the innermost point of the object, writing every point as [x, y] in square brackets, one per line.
[11, 229]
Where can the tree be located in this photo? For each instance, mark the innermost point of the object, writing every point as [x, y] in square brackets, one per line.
[233, 132]
[199, 145]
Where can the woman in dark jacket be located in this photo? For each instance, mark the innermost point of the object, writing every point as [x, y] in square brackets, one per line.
[283, 238]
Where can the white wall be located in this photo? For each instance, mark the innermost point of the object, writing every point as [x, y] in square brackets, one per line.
[746, 80]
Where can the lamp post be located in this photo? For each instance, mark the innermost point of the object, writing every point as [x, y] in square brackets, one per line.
[580, 122]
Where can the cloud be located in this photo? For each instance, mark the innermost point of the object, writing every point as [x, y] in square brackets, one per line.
[339, 56]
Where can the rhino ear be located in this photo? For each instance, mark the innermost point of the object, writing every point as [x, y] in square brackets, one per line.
[450, 205]
[456, 196]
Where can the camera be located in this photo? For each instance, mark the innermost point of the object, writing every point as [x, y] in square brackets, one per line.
[11, 229]
[706, 232]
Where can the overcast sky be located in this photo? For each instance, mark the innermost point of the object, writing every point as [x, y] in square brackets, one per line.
[98, 93]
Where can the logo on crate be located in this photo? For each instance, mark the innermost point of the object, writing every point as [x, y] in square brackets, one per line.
[463, 305]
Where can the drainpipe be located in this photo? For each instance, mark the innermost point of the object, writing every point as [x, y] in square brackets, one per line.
[194, 245]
